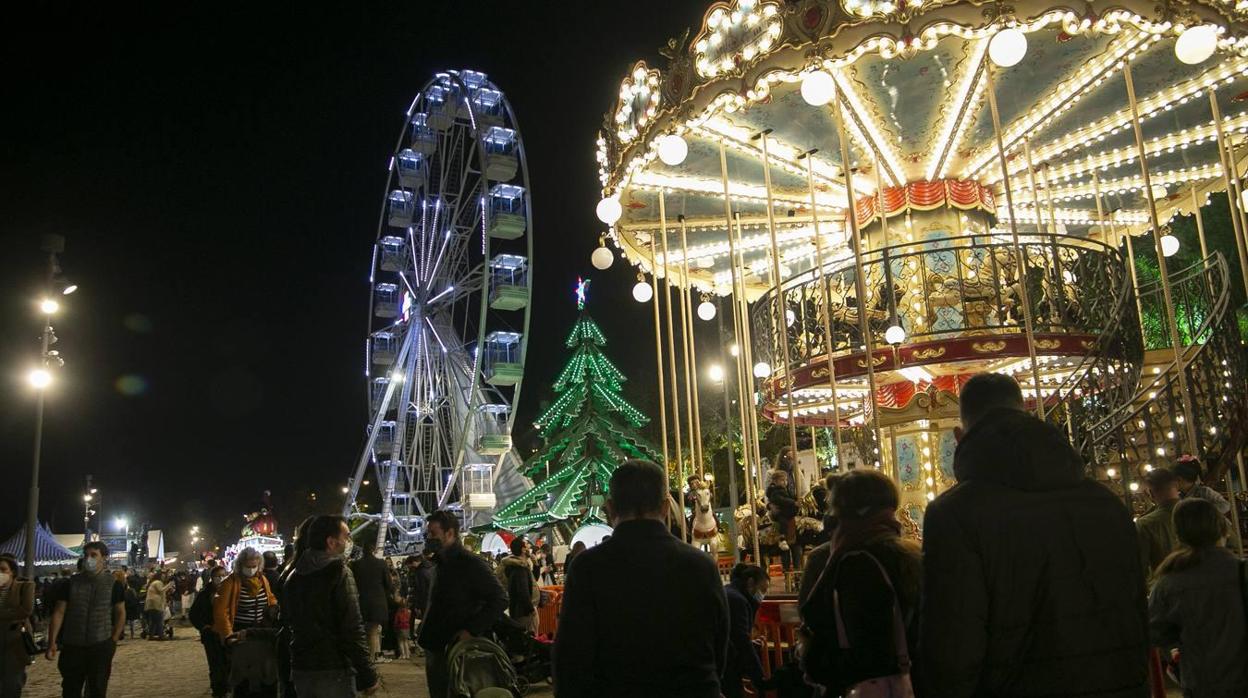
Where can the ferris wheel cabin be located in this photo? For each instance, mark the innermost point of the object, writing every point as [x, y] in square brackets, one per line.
[411, 169]
[401, 209]
[501, 363]
[500, 154]
[507, 216]
[509, 282]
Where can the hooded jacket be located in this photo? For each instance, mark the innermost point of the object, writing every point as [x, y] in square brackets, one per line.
[516, 576]
[323, 615]
[1032, 578]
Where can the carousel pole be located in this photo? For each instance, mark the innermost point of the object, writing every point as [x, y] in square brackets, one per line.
[658, 356]
[826, 312]
[732, 459]
[782, 316]
[1190, 417]
[1126, 237]
[1020, 259]
[747, 351]
[671, 360]
[1227, 165]
[860, 280]
[742, 376]
[879, 202]
[691, 361]
[1238, 183]
[1200, 225]
[681, 293]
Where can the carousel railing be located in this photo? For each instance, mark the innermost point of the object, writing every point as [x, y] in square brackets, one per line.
[1154, 429]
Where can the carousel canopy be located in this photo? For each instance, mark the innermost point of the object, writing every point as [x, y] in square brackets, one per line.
[912, 80]
[47, 550]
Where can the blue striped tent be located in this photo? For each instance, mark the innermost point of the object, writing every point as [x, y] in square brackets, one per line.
[47, 550]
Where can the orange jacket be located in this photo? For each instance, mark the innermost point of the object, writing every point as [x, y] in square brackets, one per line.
[225, 603]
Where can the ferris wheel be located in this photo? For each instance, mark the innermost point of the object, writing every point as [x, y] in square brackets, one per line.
[449, 313]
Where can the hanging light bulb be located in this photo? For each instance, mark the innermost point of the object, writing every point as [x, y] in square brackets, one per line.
[1007, 47]
[609, 210]
[642, 291]
[706, 310]
[895, 335]
[602, 257]
[1196, 44]
[673, 149]
[1169, 245]
[1159, 191]
[762, 369]
[818, 88]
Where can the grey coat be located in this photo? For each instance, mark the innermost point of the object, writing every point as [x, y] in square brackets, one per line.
[1200, 610]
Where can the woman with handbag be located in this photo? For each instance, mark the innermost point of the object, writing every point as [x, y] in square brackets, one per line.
[860, 618]
[17, 602]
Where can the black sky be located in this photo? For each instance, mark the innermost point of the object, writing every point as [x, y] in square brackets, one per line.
[217, 174]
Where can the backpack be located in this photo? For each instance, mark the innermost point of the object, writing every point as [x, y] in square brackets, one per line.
[200, 614]
[479, 668]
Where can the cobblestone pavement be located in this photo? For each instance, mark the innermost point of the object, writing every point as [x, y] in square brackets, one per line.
[144, 669]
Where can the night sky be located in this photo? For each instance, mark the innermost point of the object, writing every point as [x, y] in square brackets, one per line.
[217, 175]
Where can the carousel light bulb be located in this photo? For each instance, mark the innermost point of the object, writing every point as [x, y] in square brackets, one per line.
[790, 317]
[706, 310]
[1111, 472]
[895, 335]
[609, 210]
[673, 149]
[642, 292]
[762, 369]
[1159, 191]
[1007, 47]
[818, 88]
[716, 372]
[1169, 245]
[1135, 486]
[602, 258]
[1196, 44]
[734, 350]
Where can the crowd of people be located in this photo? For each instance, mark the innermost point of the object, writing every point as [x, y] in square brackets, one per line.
[1031, 580]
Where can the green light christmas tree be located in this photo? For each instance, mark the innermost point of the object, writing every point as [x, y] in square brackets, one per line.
[588, 431]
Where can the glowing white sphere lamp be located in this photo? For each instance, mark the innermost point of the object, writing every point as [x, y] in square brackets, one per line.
[48, 306]
[1007, 47]
[673, 149]
[1159, 191]
[602, 258]
[762, 369]
[1196, 44]
[642, 292]
[895, 335]
[39, 378]
[609, 210]
[591, 534]
[706, 310]
[716, 372]
[818, 88]
[1169, 245]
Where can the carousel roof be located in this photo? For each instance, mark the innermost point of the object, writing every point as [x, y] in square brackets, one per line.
[912, 82]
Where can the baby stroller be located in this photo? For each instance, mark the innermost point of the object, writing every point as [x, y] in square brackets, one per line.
[479, 668]
[530, 656]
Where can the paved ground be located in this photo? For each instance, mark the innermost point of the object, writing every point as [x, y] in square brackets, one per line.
[177, 668]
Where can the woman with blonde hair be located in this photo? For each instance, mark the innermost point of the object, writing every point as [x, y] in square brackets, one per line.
[1197, 607]
[243, 617]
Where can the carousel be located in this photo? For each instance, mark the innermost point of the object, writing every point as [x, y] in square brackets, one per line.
[883, 198]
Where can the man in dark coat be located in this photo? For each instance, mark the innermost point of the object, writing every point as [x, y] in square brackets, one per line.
[466, 599]
[643, 613]
[373, 580]
[1032, 578]
[745, 591]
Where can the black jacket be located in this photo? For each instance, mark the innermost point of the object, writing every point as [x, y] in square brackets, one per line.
[372, 578]
[465, 596]
[518, 576]
[643, 615]
[419, 582]
[1032, 580]
[743, 661]
[784, 504]
[322, 612]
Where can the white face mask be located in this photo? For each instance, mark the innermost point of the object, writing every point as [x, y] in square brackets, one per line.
[5, 578]
[91, 564]
[348, 549]
[248, 571]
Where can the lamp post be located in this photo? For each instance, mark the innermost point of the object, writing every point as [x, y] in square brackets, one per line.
[89, 500]
[40, 378]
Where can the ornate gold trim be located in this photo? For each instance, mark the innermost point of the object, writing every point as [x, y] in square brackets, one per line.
[987, 347]
[929, 353]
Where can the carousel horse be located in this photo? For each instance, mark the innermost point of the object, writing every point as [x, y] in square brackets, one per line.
[705, 527]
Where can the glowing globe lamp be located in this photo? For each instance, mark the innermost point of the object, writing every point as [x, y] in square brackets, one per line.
[1007, 47]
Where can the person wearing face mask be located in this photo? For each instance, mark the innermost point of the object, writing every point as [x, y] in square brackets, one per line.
[200, 616]
[155, 602]
[643, 614]
[17, 602]
[89, 621]
[466, 599]
[329, 654]
[745, 591]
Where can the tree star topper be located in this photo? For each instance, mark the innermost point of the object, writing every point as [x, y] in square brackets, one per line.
[582, 287]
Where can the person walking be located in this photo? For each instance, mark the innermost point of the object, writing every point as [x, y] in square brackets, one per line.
[271, 569]
[17, 603]
[200, 615]
[466, 599]
[1188, 472]
[515, 573]
[1032, 579]
[1197, 605]
[86, 626]
[746, 589]
[290, 559]
[1155, 529]
[244, 618]
[154, 606]
[372, 579]
[328, 648]
[643, 614]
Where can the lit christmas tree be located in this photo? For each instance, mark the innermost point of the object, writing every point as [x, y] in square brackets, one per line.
[589, 430]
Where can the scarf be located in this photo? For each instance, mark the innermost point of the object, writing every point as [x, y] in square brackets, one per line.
[854, 533]
[251, 585]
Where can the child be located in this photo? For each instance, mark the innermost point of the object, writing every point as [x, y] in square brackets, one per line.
[402, 626]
